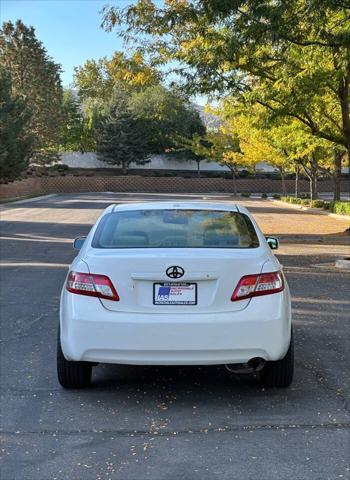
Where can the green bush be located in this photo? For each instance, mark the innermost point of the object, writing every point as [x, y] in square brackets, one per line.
[62, 167]
[264, 195]
[276, 196]
[326, 205]
[297, 201]
[317, 203]
[245, 194]
[341, 208]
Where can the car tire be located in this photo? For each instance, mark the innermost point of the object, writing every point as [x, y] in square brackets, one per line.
[72, 374]
[280, 372]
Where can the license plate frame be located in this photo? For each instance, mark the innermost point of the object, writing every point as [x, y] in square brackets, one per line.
[165, 302]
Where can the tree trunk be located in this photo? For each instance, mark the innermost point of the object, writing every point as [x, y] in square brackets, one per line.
[234, 183]
[315, 188]
[198, 168]
[312, 172]
[284, 189]
[343, 93]
[297, 181]
[313, 178]
[125, 168]
[337, 173]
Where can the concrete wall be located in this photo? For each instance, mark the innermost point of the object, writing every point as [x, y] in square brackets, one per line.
[158, 162]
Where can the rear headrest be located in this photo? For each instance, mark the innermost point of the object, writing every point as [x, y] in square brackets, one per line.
[130, 240]
[225, 239]
[177, 240]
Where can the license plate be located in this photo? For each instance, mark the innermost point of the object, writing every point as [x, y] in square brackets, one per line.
[175, 294]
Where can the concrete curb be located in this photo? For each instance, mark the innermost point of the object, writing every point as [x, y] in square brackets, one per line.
[320, 211]
[26, 200]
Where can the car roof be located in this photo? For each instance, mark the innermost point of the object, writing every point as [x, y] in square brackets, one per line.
[189, 205]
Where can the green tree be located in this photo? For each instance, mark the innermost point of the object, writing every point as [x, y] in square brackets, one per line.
[98, 78]
[72, 120]
[167, 117]
[216, 146]
[287, 145]
[194, 148]
[291, 57]
[36, 79]
[15, 144]
[120, 138]
[77, 128]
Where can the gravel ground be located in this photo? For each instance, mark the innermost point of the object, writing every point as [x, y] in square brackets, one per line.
[170, 422]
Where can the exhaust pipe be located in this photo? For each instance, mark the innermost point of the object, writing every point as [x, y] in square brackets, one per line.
[254, 365]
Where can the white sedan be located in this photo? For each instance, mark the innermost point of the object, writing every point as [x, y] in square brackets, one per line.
[188, 283]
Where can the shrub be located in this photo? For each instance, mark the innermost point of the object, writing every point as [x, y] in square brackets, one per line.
[276, 196]
[326, 205]
[286, 199]
[339, 207]
[245, 194]
[296, 201]
[317, 203]
[304, 195]
[264, 195]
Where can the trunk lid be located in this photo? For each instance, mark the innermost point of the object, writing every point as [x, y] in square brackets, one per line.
[134, 272]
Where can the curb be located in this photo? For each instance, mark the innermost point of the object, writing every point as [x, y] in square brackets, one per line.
[27, 200]
[319, 211]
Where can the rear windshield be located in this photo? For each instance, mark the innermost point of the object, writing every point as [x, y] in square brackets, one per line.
[175, 228]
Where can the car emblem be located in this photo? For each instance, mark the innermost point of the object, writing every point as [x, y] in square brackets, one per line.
[175, 272]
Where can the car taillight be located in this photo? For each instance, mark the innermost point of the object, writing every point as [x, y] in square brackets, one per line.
[92, 285]
[259, 284]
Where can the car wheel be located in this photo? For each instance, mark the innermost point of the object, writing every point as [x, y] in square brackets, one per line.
[72, 374]
[280, 372]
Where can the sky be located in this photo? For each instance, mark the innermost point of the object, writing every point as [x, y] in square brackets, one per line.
[69, 29]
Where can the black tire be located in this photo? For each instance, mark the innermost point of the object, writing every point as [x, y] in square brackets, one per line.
[72, 374]
[280, 373]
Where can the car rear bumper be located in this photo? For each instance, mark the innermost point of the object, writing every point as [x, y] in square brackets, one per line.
[90, 332]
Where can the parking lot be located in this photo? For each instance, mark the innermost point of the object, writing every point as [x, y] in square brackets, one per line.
[170, 422]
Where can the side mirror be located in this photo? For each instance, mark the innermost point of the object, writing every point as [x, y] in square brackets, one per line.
[78, 242]
[272, 242]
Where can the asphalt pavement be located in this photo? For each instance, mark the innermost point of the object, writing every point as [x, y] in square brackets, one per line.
[170, 423]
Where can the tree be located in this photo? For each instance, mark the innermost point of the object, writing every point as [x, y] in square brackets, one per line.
[291, 57]
[36, 79]
[196, 148]
[15, 145]
[98, 78]
[72, 120]
[285, 144]
[217, 146]
[121, 136]
[77, 128]
[167, 117]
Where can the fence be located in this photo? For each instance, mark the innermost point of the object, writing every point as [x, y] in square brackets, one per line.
[72, 184]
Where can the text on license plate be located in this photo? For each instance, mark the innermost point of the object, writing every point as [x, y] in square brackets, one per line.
[175, 294]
